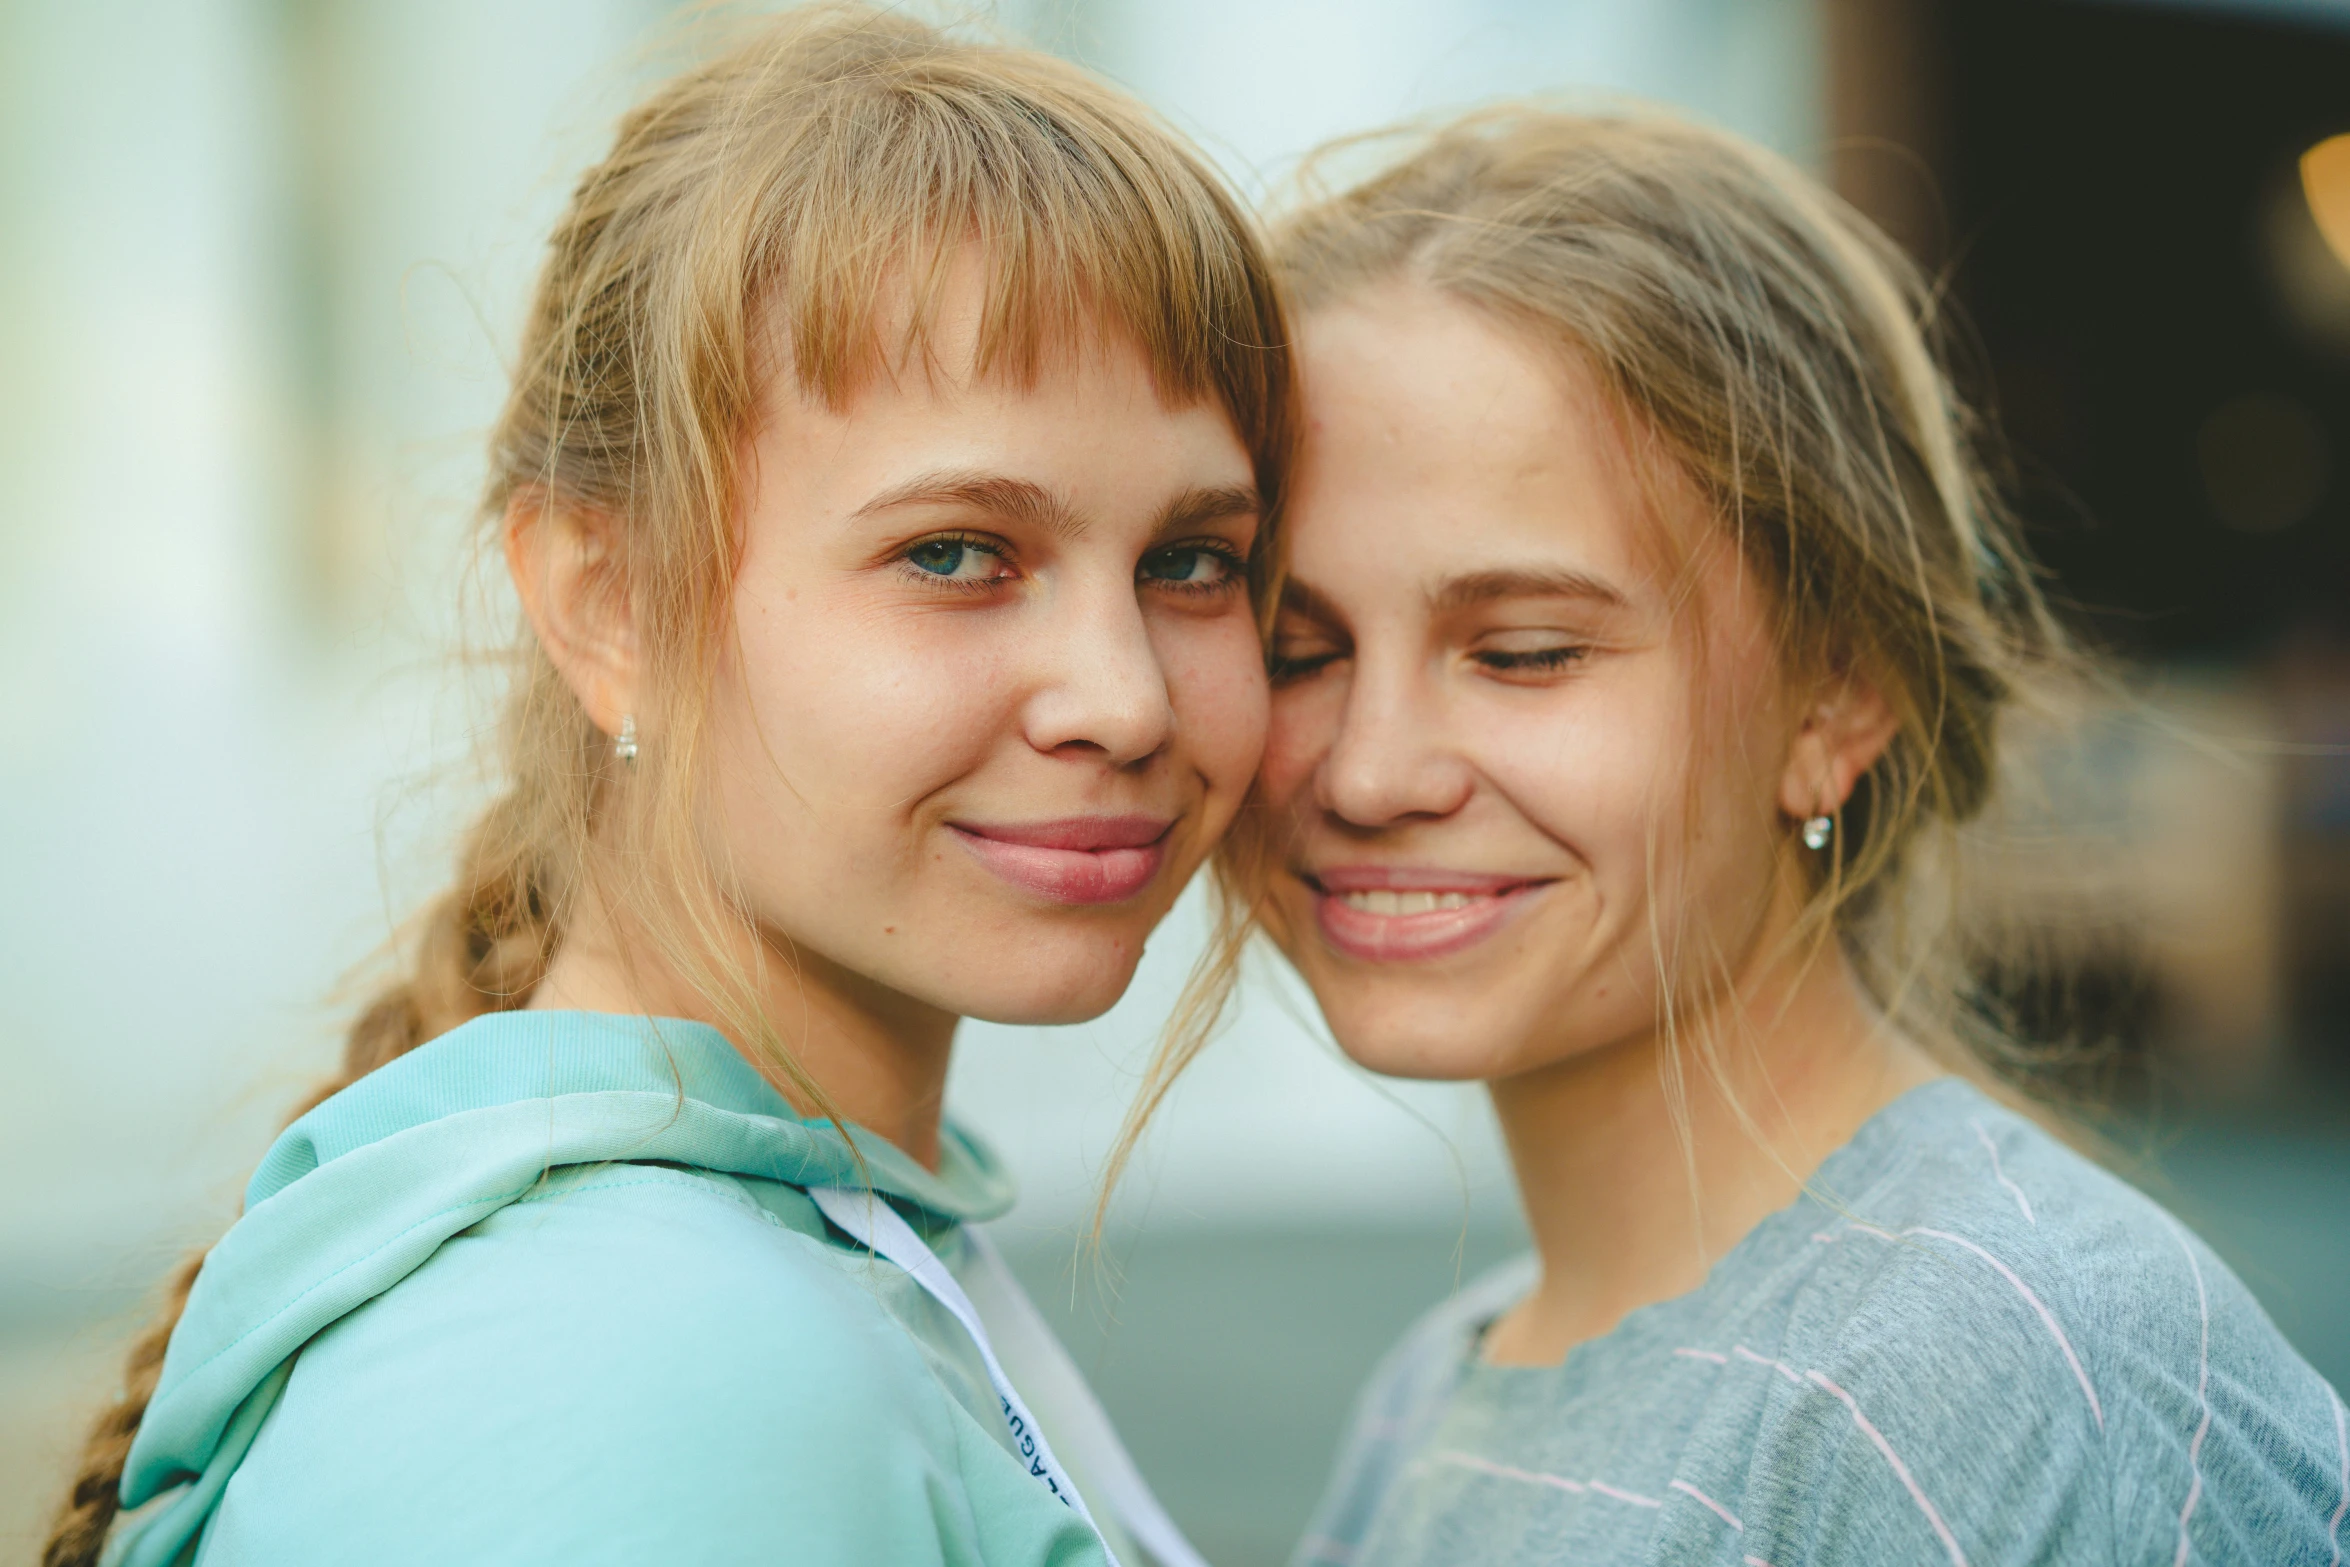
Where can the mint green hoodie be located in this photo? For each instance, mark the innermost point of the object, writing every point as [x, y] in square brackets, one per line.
[548, 1289]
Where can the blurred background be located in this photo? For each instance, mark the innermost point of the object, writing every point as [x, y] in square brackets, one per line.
[260, 261]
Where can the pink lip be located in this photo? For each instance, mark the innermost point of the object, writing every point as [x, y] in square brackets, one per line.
[1403, 938]
[1076, 859]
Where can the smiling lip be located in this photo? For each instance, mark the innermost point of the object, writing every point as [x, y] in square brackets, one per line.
[1076, 859]
[1399, 913]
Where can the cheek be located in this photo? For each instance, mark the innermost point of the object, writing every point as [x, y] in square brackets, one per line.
[1597, 773]
[1304, 724]
[1215, 671]
[1654, 797]
[852, 708]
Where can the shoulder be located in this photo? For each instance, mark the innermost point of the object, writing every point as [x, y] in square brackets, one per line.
[2031, 1349]
[1977, 1227]
[641, 1361]
[653, 1272]
[1400, 1404]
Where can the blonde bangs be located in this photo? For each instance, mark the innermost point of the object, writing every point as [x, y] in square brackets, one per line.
[1087, 220]
[799, 206]
[823, 182]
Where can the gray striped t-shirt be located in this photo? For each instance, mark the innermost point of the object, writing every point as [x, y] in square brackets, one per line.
[1979, 1349]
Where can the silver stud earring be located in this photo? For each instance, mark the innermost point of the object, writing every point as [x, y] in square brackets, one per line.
[624, 743]
[1817, 832]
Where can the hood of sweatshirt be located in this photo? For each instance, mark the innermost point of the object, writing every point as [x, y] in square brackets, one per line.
[359, 1193]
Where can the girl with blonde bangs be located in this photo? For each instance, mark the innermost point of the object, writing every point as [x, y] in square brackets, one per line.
[1649, 637]
[887, 481]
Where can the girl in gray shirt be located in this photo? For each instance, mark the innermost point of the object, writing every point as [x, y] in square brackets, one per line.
[2014, 1358]
[1650, 632]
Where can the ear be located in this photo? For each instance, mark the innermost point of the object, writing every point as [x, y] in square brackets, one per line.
[1846, 729]
[566, 565]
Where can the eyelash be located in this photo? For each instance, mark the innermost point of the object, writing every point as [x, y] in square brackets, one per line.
[1235, 576]
[1281, 671]
[931, 579]
[1235, 564]
[1542, 661]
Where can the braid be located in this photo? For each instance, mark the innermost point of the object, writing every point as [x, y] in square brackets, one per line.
[483, 948]
[80, 1530]
[486, 945]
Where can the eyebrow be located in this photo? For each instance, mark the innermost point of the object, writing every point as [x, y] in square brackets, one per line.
[1025, 501]
[1211, 503]
[1018, 499]
[1483, 587]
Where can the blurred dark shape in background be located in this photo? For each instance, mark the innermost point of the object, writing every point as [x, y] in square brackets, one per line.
[2143, 211]
[2130, 203]
[2166, 324]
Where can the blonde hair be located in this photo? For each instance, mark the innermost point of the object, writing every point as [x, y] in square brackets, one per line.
[1792, 363]
[790, 206]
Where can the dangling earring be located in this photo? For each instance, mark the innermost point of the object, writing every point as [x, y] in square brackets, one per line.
[624, 743]
[1817, 832]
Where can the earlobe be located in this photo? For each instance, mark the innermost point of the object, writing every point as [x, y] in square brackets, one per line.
[567, 568]
[1841, 738]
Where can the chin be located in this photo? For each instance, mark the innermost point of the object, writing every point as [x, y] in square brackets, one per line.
[1405, 1031]
[1027, 1008]
[1048, 982]
[1437, 1055]
[1420, 1022]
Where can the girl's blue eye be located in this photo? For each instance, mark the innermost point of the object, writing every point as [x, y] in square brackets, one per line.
[965, 561]
[939, 557]
[1194, 566]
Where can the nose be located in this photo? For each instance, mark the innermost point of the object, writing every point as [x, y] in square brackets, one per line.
[1391, 761]
[1100, 690]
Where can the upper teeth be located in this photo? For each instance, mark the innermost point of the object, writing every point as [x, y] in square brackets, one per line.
[1384, 902]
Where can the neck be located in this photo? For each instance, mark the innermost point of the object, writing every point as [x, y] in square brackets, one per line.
[1629, 1205]
[880, 1057]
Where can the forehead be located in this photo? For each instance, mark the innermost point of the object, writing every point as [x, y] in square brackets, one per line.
[932, 369]
[1450, 438]
[1087, 430]
[956, 324]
